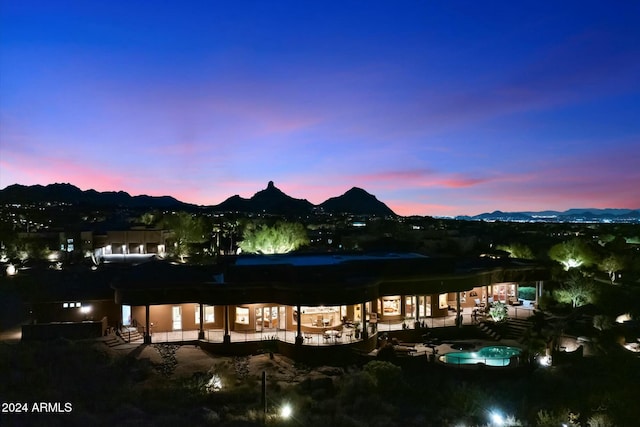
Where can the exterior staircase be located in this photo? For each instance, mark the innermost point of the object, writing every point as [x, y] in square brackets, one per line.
[126, 335]
[516, 328]
[113, 340]
[131, 335]
[488, 331]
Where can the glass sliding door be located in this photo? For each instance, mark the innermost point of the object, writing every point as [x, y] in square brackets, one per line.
[176, 314]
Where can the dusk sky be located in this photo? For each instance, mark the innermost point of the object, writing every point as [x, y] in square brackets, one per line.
[435, 107]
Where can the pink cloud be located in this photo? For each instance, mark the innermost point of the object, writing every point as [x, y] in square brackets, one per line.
[461, 181]
[420, 178]
[404, 208]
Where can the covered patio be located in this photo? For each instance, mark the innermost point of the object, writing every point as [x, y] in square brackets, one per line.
[324, 338]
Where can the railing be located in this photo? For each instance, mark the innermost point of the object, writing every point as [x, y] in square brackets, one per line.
[320, 338]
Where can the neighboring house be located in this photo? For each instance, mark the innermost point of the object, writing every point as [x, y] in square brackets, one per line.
[74, 303]
[117, 245]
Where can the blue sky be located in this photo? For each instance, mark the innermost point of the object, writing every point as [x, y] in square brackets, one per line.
[437, 108]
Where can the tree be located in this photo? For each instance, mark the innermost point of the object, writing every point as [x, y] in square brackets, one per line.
[517, 250]
[187, 229]
[148, 218]
[577, 291]
[611, 265]
[573, 253]
[281, 238]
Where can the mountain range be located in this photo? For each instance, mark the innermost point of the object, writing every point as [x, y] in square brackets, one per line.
[571, 215]
[273, 201]
[270, 200]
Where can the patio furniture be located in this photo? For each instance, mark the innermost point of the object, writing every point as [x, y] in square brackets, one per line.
[514, 301]
[332, 334]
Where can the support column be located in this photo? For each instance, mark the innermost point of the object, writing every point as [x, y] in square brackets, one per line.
[201, 331]
[365, 328]
[539, 290]
[458, 312]
[147, 329]
[227, 337]
[299, 337]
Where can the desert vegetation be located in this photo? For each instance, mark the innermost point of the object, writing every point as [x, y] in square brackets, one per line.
[135, 389]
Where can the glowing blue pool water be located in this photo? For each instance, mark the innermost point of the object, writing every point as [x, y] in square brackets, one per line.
[497, 355]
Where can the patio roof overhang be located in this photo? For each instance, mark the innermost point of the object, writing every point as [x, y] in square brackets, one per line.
[346, 283]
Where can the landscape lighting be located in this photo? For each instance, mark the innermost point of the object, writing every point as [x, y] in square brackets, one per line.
[214, 384]
[286, 411]
[572, 263]
[11, 270]
[497, 419]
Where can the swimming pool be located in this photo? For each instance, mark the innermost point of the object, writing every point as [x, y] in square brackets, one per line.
[497, 355]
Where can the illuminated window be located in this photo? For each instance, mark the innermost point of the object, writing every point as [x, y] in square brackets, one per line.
[208, 314]
[71, 305]
[409, 307]
[242, 315]
[391, 306]
[442, 301]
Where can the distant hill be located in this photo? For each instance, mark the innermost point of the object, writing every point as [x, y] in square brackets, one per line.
[270, 200]
[356, 201]
[67, 193]
[571, 215]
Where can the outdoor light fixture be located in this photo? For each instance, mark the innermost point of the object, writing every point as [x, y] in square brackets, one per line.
[286, 411]
[624, 318]
[497, 419]
[214, 384]
[85, 309]
[544, 360]
[572, 263]
[11, 270]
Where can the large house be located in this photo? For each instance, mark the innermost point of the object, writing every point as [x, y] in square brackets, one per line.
[290, 296]
[312, 293]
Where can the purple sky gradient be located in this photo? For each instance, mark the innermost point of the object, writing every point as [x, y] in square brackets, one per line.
[437, 108]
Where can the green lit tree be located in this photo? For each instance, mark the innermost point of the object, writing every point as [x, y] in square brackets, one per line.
[517, 250]
[573, 253]
[187, 229]
[611, 265]
[148, 218]
[577, 291]
[280, 238]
